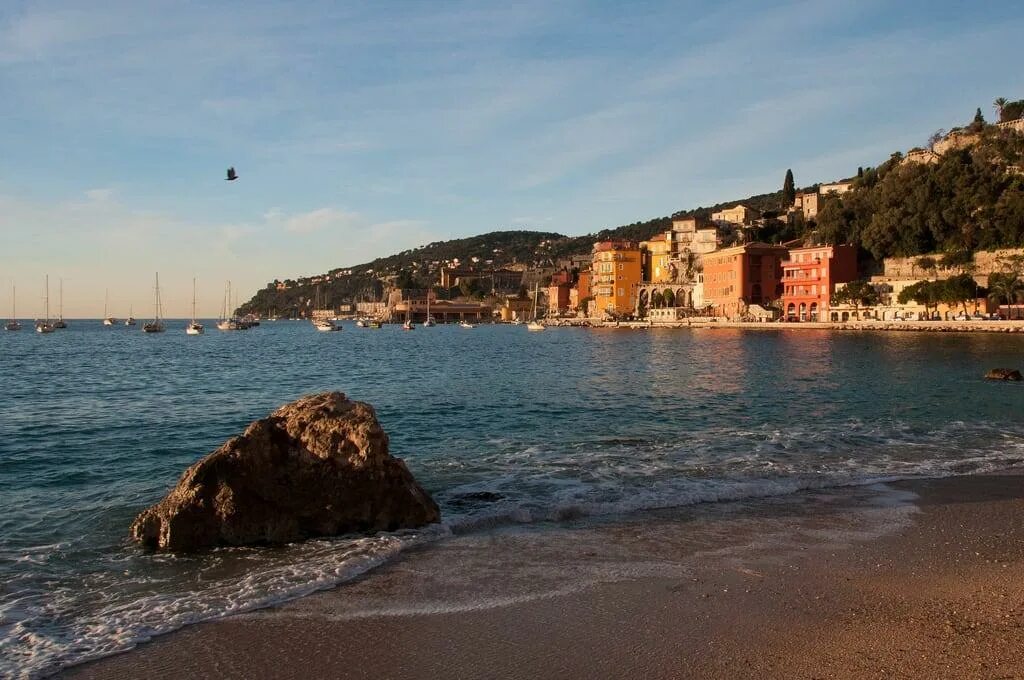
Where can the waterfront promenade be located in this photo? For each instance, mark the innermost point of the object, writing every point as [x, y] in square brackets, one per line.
[895, 326]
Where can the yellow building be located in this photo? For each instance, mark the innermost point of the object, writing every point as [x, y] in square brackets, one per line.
[737, 215]
[657, 254]
[618, 269]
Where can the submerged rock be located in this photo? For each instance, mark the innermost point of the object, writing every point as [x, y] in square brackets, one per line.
[319, 466]
[1003, 374]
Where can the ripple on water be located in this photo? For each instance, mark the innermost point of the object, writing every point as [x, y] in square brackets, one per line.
[503, 427]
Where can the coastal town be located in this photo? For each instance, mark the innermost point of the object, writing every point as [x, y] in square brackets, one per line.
[730, 266]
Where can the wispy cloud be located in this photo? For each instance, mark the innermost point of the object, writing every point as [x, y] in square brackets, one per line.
[366, 128]
[317, 220]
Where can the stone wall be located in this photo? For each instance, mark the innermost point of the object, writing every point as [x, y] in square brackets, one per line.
[985, 262]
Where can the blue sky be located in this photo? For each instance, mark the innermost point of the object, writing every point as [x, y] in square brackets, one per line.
[362, 129]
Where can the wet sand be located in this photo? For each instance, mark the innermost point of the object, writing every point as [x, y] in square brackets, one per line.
[932, 588]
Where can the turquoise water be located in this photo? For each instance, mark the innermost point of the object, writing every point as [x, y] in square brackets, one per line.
[500, 425]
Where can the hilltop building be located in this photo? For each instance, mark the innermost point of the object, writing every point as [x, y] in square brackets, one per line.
[736, 216]
[807, 203]
[837, 188]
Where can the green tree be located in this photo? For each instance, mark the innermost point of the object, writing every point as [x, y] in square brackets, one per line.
[957, 290]
[669, 297]
[979, 119]
[999, 104]
[856, 293]
[788, 190]
[657, 300]
[1012, 111]
[833, 222]
[926, 293]
[928, 264]
[1006, 286]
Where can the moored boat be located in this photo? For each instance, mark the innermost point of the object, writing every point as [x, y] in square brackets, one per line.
[157, 324]
[44, 325]
[534, 324]
[323, 324]
[194, 327]
[107, 320]
[60, 323]
[12, 323]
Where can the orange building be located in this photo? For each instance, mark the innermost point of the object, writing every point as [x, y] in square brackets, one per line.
[617, 270]
[583, 284]
[737, 277]
[809, 278]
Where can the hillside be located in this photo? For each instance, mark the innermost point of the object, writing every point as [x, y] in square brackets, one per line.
[964, 193]
[969, 198]
[417, 267]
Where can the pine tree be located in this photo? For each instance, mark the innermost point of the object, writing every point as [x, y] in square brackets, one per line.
[788, 190]
[978, 118]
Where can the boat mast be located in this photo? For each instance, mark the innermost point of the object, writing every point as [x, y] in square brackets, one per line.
[60, 309]
[156, 305]
[193, 299]
[46, 299]
[14, 303]
[106, 298]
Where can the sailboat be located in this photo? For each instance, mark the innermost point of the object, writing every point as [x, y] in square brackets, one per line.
[44, 326]
[12, 323]
[407, 324]
[228, 322]
[130, 321]
[59, 323]
[325, 325]
[534, 325]
[155, 326]
[430, 322]
[107, 320]
[194, 327]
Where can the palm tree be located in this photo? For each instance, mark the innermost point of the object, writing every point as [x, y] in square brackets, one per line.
[1005, 286]
[999, 104]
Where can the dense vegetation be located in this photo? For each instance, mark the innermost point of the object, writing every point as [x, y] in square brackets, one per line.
[971, 199]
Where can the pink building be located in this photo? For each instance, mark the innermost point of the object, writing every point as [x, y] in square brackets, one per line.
[809, 278]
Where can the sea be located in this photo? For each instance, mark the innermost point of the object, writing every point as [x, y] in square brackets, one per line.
[503, 427]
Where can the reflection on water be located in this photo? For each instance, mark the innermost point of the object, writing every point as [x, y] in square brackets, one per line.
[502, 426]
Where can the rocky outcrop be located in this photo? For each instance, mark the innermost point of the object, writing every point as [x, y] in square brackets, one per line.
[1003, 374]
[316, 467]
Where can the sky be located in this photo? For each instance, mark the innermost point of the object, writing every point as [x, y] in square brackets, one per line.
[360, 129]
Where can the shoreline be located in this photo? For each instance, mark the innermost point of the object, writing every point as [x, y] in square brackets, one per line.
[893, 326]
[793, 588]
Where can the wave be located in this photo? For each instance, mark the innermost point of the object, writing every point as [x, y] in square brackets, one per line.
[139, 596]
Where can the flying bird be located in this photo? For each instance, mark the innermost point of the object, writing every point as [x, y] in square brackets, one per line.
[232, 176]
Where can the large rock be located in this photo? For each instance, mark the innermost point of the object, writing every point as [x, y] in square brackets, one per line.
[316, 467]
[1003, 374]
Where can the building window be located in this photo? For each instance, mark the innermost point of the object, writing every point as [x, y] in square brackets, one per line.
[621, 292]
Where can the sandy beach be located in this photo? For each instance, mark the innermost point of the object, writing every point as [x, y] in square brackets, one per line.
[918, 579]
